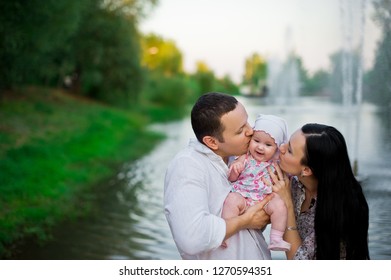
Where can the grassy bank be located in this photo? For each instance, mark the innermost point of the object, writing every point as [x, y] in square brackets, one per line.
[53, 148]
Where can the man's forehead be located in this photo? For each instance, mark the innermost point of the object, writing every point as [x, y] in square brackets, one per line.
[236, 119]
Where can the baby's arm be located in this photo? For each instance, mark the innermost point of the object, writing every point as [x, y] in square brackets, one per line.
[236, 168]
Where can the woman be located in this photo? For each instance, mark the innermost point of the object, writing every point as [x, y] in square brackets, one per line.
[328, 214]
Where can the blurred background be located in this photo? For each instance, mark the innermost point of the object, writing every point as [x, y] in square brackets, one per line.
[95, 97]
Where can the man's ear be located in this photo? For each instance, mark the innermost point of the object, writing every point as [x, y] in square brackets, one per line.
[211, 142]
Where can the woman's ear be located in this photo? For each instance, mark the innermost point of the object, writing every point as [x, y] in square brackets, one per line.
[306, 172]
[210, 142]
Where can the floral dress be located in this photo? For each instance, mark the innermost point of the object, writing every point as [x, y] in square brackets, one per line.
[249, 183]
[306, 225]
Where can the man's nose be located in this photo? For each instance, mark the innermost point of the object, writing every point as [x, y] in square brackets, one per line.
[249, 130]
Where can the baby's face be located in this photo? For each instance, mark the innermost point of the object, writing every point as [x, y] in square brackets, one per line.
[262, 146]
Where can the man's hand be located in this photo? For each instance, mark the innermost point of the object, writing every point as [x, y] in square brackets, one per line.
[257, 217]
[254, 217]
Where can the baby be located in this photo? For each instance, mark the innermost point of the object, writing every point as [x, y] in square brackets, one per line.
[247, 173]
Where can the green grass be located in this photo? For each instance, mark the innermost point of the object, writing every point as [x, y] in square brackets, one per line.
[53, 149]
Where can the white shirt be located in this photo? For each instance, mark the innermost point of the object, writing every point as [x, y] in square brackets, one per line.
[195, 188]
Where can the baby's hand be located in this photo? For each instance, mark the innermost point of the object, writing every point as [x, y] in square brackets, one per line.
[234, 170]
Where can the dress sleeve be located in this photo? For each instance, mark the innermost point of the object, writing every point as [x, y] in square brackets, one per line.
[306, 251]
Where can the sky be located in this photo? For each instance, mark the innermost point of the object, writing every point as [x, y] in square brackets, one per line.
[223, 33]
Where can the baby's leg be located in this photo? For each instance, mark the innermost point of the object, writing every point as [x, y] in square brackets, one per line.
[234, 205]
[277, 211]
[278, 216]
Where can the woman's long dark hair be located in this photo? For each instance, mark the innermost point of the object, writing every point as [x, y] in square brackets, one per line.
[342, 214]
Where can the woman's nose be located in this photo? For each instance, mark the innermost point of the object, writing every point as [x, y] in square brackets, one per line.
[282, 148]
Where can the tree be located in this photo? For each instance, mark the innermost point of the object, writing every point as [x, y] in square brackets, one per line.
[226, 85]
[166, 85]
[379, 82]
[34, 36]
[107, 57]
[107, 51]
[255, 73]
[94, 41]
[317, 84]
[204, 76]
[161, 55]
[135, 10]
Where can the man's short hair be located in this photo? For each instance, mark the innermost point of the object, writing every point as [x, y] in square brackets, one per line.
[207, 112]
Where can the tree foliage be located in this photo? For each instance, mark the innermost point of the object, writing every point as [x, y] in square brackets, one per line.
[205, 77]
[379, 82]
[255, 69]
[166, 85]
[34, 37]
[135, 10]
[317, 84]
[255, 73]
[161, 55]
[107, 57]
[226, 84]
[92, 44]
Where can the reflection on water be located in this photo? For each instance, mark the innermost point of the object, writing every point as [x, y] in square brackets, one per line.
[129, 222]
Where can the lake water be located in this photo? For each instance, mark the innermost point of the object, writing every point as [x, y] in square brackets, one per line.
[129, 223]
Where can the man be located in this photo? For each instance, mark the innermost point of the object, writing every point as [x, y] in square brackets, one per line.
[196, 186]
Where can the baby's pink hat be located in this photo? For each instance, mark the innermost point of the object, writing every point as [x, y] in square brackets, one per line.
[275, 126]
